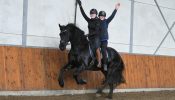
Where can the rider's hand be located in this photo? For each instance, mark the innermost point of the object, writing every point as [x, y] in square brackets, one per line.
[117, 6]
[79, 2]
[87, 35]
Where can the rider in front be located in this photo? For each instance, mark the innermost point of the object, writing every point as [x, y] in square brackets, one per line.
[94, 31]
[104, 33]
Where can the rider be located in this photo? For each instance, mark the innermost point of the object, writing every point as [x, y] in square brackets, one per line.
[104, 32]
[94, 30]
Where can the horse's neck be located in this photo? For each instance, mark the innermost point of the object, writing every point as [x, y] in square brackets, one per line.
[79, 42]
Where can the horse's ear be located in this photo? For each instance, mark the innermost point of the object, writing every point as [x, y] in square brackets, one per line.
[59, 26]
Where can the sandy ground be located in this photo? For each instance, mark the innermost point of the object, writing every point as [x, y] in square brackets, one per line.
[164, 95]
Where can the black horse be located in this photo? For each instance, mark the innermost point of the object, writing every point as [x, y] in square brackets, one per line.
[81, 58]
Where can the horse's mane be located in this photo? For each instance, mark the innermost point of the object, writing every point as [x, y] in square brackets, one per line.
[75, 28]
[77, 32]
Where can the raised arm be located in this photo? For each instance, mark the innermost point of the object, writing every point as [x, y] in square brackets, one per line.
[113, 13]
[82, 11]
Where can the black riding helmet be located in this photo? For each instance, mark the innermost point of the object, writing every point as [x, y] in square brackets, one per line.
[93, 11]
[102, 13]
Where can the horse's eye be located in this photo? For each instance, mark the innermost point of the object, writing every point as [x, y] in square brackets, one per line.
[61, 34]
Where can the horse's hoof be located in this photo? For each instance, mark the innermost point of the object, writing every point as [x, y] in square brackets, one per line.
[98, 95]
[61, 83]
[82, 82]
[99, 92]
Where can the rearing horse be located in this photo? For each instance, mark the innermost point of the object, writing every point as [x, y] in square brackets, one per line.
[80, 58]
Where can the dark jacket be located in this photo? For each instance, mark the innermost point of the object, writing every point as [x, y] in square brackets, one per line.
[104, 27]
[93, 24]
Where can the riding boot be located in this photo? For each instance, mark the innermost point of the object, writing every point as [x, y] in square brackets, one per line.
[105, 67]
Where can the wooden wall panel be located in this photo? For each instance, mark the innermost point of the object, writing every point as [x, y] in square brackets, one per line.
[38, 69]
[13, 68]
[33, 69]
[170, 77]
[2, 69]
[164, 71]
[172, 68]
[51, 62]
[134, 67]
[139, 72]
[150, 71]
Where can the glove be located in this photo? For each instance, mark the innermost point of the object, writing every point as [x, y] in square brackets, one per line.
[79, 2]
[87, 35]
[117, 6]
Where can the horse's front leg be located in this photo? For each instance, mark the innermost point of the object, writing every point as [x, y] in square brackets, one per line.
[61, 74]
[77, 78]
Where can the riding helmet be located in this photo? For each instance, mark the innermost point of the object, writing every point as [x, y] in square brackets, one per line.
[93, 11]
[102, 13]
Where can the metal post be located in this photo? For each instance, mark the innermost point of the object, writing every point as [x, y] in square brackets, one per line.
[164, 38]
[24, 24]
[164, 19]
[75, 16]
[131, 27]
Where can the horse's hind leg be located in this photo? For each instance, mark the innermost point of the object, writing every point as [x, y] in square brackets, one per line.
[61, 75]
[100, 90]
[111, 87]
[105, 76]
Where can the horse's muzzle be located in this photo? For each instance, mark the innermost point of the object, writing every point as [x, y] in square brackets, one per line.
[62, 47]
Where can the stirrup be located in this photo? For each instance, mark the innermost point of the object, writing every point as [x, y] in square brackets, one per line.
[105, 67]
[91, 63]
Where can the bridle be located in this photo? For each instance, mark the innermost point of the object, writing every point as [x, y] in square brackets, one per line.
[62, 41]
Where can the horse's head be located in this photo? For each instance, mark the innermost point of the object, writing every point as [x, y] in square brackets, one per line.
[71, 33]
[64, 37]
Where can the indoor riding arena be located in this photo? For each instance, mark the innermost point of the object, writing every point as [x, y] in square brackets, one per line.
[142, 31]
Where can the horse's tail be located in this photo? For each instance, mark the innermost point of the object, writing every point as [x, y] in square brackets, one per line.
[116, 69]
[116, 72]
[121, 68]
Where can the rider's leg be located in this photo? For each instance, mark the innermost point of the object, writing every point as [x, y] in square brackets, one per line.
[104, 50]
[98, 57]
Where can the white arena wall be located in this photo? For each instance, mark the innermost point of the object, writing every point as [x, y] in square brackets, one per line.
[138, 30]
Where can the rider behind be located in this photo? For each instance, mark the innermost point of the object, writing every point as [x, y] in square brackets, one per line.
[94, 31]
[104, 32]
